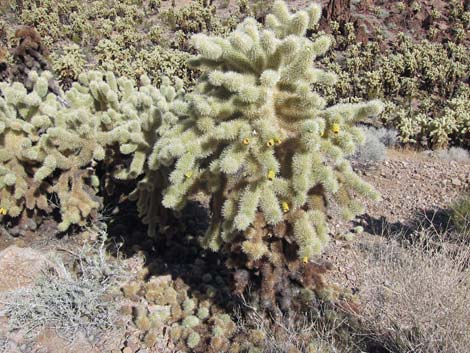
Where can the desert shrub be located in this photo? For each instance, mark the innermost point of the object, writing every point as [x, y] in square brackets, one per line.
[388, 137]
[265, 147]
[460, 216]
[376, 142]
[457, 154]
[71, 298]
[372, 150]
[417, 295]
[305, 333]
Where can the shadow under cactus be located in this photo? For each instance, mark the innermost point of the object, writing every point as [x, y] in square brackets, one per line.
[175, 250]
[381, 227]
[436, 222]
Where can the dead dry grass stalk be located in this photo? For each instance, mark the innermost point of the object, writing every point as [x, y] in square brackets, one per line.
[302, 333]
[416, 296]
[72, 298]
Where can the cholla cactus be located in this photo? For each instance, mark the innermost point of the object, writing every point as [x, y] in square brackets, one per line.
[259, 140]
[23, 116]
[69, 65]
[148, 193]
[51, 145]
[262, 143]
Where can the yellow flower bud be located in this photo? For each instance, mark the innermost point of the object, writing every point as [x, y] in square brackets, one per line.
[3, 211]
[246, 141]
[305, 259]
[271, 174]
[277, 140]
[285, 206]
[335, 128]
[270, 143]
[188, 174]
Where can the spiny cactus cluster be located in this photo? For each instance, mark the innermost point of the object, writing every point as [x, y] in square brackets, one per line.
[255, 137]
[423, 84]
[52, 144]
[69, 65]
[194, 322]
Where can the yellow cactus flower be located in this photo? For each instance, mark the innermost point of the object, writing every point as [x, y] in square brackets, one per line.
[277, 140]
[270, 143]
[335, 128]
[246, 141]
[188, 174]
[3, 211]
[305, 259]
[271, 174]
[285, 206]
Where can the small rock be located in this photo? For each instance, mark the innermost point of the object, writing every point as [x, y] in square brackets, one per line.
[20, 267]
[456, 182]
[127, 350]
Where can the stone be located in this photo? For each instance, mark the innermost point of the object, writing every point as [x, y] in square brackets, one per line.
[49, 340]
[20, 267]
[456, 182]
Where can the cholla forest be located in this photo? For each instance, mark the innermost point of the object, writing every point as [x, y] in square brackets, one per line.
[234, 176]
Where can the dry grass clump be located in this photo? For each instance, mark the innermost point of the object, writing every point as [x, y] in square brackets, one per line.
[416, 296]
[310, 332]
[69, 299]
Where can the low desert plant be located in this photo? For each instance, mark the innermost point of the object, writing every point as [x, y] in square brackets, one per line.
[267, 148]
[69, 300]
[457, 154]
[375, 145]
[417, 296]
[304, 333]
[460, 216]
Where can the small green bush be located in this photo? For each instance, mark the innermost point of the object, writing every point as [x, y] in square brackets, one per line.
[460, 215]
